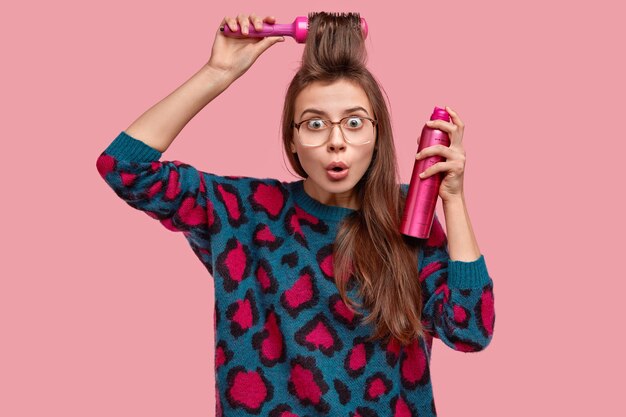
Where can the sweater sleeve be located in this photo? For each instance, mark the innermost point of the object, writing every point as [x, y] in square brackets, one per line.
[172, 192]
[458, 296]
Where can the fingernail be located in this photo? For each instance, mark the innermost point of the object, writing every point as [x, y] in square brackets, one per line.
[422, 175]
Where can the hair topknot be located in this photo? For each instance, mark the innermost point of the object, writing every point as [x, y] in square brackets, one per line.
[334, 42]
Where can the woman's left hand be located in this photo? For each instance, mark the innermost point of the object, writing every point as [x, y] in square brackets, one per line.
[454, 166]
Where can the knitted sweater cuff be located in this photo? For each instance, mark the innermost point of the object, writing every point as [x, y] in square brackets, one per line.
[126, 148]
[467, 275]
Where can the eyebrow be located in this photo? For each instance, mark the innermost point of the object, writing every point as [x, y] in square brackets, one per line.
[323, 113]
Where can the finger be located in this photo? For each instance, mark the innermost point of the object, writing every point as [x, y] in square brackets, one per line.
[439, 150]
[268, 41]
[455, 117]
[256, 21]
[436, 168]
[441, 125]
[231, 22]
[270, 19]
[243, 23]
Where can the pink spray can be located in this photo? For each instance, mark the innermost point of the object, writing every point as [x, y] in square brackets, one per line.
[421, 199]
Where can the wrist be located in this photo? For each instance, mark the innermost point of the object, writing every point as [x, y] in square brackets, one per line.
[454, 199]
[218, 76]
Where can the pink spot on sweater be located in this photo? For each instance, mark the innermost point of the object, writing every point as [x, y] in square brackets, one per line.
[173, 185]
[263, 277]
[230, 200]
[154, 189]
[220, 357]
[295, 225]
[342, 309]
[487, 311]
[301, 292]
[266, 234]
[236, 262]
[402, 409]
[105, 164]
[376, 388]
[393, 347]
[429, 269]
[169, 225]
[305, 216]
[202, 185]
[128, 178]
[190, 213]
[443, 288]
[357, 357]
[272, 347]
[270, 197]
[320, 336]
[249, 389]
[459, 314]
[327, 266]
[243, 316]
[414, 364]
[464, 347]
[304, 384]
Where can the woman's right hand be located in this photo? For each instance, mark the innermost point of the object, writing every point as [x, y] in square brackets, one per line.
[233, 56]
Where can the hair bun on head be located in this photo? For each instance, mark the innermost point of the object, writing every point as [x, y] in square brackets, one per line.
[334, 42]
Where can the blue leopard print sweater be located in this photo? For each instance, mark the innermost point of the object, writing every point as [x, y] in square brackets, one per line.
[285, 343]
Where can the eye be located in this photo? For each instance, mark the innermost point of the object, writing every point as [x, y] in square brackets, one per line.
[315, 124]
[353, 122]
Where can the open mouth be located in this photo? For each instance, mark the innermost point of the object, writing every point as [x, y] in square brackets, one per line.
[337, 173]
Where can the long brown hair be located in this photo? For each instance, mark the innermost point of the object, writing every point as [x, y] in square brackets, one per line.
[384, 262]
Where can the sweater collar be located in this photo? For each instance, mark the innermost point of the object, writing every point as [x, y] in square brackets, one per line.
[310, 205]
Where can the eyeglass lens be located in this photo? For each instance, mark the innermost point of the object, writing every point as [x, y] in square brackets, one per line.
[355, 130]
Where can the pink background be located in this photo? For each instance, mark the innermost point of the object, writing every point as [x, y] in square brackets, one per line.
[105, 312]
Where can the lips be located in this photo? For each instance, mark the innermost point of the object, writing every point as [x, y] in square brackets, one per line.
[336, 166]
[337, 170]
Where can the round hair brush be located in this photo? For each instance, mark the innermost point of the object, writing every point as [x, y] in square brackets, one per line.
[297, 30]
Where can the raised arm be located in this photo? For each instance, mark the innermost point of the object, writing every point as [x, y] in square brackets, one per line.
[158, 126]
[173, 192]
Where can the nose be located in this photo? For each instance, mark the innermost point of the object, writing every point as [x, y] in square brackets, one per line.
[336, 141]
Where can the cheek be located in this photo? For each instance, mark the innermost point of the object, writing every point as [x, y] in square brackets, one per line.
[307, 159]
[366, 157]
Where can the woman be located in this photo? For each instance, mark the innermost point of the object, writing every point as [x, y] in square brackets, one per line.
[321, 306]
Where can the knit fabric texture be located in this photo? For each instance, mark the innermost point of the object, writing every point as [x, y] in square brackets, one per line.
[286, 345]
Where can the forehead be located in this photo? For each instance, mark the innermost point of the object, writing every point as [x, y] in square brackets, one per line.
[332, 98]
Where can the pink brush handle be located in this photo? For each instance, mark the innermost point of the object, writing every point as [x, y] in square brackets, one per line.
[267, 30]
[298, 30]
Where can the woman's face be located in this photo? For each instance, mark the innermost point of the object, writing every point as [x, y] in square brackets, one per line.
[333, 101]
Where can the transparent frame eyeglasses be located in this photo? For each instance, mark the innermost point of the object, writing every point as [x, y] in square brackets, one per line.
[329, 125]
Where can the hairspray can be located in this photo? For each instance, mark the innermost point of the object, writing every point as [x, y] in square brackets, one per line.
[421, 199]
